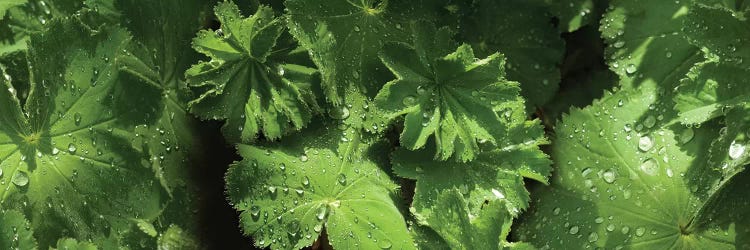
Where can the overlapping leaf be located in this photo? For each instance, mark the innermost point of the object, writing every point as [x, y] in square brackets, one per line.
[247, 81]
[496, 174]
[321, 179]
[454, 97]
[527, 38]
[24, 18]
[344, 39]
[64, 156]
[15, 232]
[618, 186]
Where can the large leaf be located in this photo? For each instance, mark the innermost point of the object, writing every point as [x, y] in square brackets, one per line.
[646, 42]
[321, 179]
[453, 97]
[496, 174]
[527, 38]
[65, 158]
[720, 31]
[711, 89]
[344, 39]
[15, 232]
[247, 81]
[618, 186]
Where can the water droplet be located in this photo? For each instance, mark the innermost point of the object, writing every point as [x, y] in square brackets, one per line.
[687, 135]
[630, 69]
[306, 181]
[669, 54]
[356, 28]
[640, 231]
[619, 44]
[650, 166]
[593, 237]
[77, 118]
[272, 189]
[669, 172]
[255, 210]
[736, 150]
[280, 70]
[55, 151]
[341, 179]
[282, 166]
[339, 113]
[609, 176]
[318, 228]
[585, 172]
[573, 230]
[20, 179]
[321, 212]
[645, 143]
[611, 227]
[649, 122]
[303, 158]
[599, 220]
[385, 244]
[409, 100]
[625, 230]
[72, 148]
[556, 211]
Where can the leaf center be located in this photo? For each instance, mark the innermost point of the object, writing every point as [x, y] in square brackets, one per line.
[32, 139]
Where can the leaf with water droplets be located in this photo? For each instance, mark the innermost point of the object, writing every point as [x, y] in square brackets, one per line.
[722, 31]
[247, 82]
[340, 187]
[639, 33]
[633, 196]
[710, 89]
[80, 169]
[15, 232]
[531, 44]
[460, 97]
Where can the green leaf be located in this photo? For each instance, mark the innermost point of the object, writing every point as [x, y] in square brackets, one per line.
[460, 230]
[496, 174]
[64, 156]
[719, 30]
[527, 38]
[14, 231]
[72, 244]
[5, 5]
[28, 18]
[289, 192]
[175, 239]
[247, 81]
[344, 39]
[646, 42]
[574, 14]
[710, 89]
[165, 126]
[453, 97]
[623, 184]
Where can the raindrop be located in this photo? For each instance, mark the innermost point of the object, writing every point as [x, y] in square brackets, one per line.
[255, 210]
[77, 118]
[650, 166]
[341, 179]
[339, 113]
[630, 69]
[20, 179]
[303, 158]
[282, 166]
[585, 172]
[384, 244]
[687, 135]
[55, 151]
[640, 231]
[736, 150]
[645, 143]
[649, 122]
[556, 211]
[625, 230]
[306, 181]
[409, 100]
[619, 44]
[72, 148]
[593, 237]
[573, 230]
[609, 176]
[321, 213]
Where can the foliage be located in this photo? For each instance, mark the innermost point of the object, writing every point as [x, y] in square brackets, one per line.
[375, 124]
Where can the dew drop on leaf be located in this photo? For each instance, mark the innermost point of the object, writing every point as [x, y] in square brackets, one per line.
[640, 231]
[385, 244]
[255, 210]
[573, 230]
[20, 179]
[630, 69]
[72, 148]
[609, 176]
[593, 237]
[409, 100]
[321, 214]
[650, 166]
[306, 181]
[686, 135]
[649, 122]
[736, 150]
[645, 143]
[341, 179]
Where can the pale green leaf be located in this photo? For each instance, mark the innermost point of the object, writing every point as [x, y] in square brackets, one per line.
[620, 183]
[321, 179]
